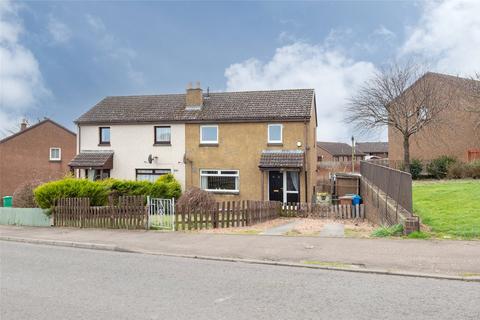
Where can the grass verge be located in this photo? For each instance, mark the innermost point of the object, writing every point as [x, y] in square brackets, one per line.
[451, 208]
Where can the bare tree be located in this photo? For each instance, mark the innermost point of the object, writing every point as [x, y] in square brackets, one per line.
[403, 98]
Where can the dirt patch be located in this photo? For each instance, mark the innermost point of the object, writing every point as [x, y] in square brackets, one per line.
[255, 229]
[353, 228]
[304, 227]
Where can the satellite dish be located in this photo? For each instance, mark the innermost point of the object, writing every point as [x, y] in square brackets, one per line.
[150, 158]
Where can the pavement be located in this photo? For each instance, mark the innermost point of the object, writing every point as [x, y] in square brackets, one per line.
[333, 230]
[50, 282]
[281, 229]
[438, 258]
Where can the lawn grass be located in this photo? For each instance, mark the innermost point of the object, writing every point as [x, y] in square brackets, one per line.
[451, 208]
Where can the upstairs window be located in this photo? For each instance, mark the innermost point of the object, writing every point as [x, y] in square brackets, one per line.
[104, 133]
[275, 132]
[163, 135]
[55, 154]
[209, 134]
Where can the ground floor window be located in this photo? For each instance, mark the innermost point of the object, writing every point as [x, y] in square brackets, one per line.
[150, 174]
[219, 180]
[97, 174]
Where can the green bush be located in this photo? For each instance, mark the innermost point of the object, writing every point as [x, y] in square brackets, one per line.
[457, 170]
[165, 187]
[382, 232]
[416, 168]
[475, 169]
[48, 193]
[438, 168]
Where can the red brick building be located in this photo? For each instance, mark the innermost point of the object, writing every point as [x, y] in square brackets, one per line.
[39, 152]
[456, 135]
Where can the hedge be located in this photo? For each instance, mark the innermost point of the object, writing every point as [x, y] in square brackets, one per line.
[98, 191]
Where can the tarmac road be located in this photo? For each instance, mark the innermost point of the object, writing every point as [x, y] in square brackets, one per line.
[48, 282]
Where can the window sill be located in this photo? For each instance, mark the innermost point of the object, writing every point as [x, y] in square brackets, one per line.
[208, 145]
[275, 144]
[223, 192]
[168, 144]
[104, 144]
[52, 160]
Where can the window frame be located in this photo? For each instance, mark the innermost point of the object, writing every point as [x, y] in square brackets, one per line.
[201, 135]
[269, 140]
[153, 173]
[100, 141]
[161, 143]
[219, 174]
[59, 154]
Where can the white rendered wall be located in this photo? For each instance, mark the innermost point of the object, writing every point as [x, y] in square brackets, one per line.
[132, 144]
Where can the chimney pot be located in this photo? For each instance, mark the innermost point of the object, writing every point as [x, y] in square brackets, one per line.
[23, 125]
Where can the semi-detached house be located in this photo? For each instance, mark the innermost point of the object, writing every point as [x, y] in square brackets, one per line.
[255, 145]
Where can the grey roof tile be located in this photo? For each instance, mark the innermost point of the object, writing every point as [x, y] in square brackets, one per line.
[93, 159]
[338, 148]
[273, 105]
[281, 159]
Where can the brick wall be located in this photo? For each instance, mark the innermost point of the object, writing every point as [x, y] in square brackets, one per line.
[25, 156]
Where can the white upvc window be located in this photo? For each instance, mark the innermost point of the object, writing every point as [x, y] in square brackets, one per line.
[225, 181]
[55, 154]
[275, 133]
[209, 134]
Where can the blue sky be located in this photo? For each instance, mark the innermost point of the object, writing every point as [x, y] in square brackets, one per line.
[58, 59]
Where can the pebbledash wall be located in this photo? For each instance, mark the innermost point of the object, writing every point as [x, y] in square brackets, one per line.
[133, 143]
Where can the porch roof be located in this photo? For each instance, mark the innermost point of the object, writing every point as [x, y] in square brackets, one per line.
[92, 159]
[281, 159]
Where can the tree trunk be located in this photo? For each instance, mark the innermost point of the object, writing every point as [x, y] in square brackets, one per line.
[406, 153]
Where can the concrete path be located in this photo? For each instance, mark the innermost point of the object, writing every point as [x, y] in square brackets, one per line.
[333, 230]
[445, 257]
[46, 282]
[281, 229]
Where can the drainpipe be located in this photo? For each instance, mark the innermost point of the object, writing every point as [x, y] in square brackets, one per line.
[306, 163]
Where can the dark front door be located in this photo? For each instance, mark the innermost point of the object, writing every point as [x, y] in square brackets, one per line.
[275, 182]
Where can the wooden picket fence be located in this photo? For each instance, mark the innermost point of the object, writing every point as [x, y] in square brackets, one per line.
[129, 213]
[314, 210]
[227, 214]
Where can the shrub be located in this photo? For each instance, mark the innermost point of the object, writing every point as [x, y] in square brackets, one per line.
[98, 191]
[457, 170]
[165, 187]
[438, 167]
[23, 195]
[395, 230]
[475, 169]
[48, 193]
[195, 198]
[416, 168]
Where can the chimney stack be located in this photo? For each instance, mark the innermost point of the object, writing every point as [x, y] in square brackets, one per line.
[23, 125]
[194, 97]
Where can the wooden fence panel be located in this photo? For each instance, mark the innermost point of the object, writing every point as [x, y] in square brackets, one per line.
[130, 213]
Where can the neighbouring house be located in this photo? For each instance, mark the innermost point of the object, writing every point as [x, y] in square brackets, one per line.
[254, 145]
[373, 150]
[337, 151]
[39, 152]
[457, 135]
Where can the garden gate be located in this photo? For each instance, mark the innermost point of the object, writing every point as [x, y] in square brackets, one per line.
[161, 213]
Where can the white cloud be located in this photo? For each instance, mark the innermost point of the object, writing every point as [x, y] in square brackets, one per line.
[112, 48]
[384, 32]
[448, 36]
[21, 84]
[332, 74]
[59, 31]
